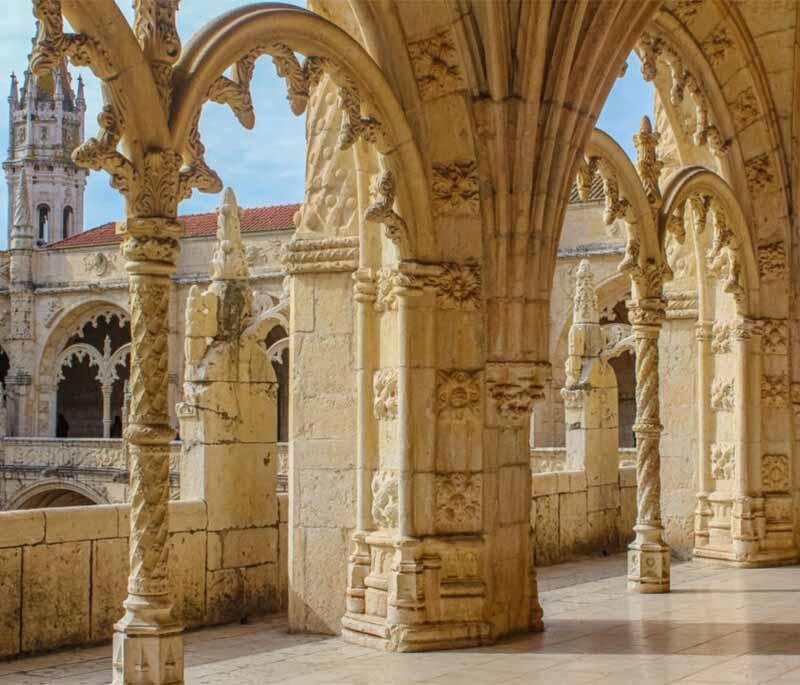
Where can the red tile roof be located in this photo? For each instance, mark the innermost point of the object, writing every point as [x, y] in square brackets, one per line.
[276, 218]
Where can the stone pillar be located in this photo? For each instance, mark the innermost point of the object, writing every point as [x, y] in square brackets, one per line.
[747, 516]
[229, 431]
[322, 429]
[648, 555]
[590, 394]
[105, 389]
[366, 448]
[20, 341]
[703, 512]
[147, 640]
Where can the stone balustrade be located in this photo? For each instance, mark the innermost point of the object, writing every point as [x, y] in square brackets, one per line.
[63, 572]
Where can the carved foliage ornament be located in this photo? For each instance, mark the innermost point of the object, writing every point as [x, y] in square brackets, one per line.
[385, 394]
[774, 336]
[775, 472]
[513, 389]
[457, 286]
[722, 461]
[384, 499]
[456, 187]
[458, 501]
[775, 390]
[653, 49]
[435, 64]
[722, 395]
[772, 260]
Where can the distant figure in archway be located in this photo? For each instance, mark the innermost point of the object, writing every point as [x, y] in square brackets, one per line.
[62, 427]
[116, 427]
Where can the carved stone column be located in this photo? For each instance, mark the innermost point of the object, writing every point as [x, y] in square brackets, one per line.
[366, 447]
[747, 516]
[105, 389]
[148, 646]
[703, 512]
[648, 555]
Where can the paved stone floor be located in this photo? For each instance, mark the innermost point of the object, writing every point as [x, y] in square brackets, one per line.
[717, 626]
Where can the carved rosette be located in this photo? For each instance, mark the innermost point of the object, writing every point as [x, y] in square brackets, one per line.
[458, 394]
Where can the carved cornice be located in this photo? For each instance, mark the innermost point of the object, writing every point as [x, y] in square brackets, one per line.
[328, 255]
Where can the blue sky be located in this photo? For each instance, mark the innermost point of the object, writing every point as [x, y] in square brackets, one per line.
[266, 165]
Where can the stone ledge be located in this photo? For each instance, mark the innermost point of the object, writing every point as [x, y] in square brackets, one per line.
[18, 528]
[71, 524]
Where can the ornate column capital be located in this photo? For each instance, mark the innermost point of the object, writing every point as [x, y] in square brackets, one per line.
[647, 313]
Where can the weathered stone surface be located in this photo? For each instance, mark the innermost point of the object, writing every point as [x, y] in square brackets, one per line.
[10, 598]
[55, 595]
[109, 585]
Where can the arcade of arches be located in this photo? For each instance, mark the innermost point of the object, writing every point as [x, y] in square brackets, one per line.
[444, 307]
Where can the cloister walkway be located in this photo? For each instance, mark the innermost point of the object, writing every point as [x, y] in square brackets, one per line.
[718, 625]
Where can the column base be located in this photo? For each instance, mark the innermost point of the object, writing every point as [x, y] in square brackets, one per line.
[648, 561]
[147, 653]
[374, 633]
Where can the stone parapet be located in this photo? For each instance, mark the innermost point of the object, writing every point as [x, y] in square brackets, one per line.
[63, 572]
[570, 519]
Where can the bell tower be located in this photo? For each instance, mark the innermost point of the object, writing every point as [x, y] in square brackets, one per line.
[46, 123]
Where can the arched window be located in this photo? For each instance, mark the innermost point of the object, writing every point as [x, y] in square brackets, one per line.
[67, 222]
[43, 214]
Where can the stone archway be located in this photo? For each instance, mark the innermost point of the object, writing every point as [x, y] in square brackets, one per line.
[54, 493]
[90, 322]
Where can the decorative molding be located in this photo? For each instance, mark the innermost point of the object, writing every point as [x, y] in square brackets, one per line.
[722, 394]
[458, 394]
[774, 336]
[775, 473]
[457, 286]
[513, 388]
[384, 499]
[652, 49]
[328, 255]
[684, 10]
[723, 464]
[456, 187]
[759, 173]
[721, 337]
[772, 260]
[775, 390]
[744, 108]
[717, 45]
[384, 384]
[52, 308]
[435, 64]
[458, 502]
[99, 263]
[681, 306]
[381, 208]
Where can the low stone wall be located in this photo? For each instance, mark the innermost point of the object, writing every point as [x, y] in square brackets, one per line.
[549, 459]
[63, 572]
[570, 519]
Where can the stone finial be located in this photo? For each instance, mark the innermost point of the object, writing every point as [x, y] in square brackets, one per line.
[584, 302]
[229, 261]
[647, 163]
[22, 209]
